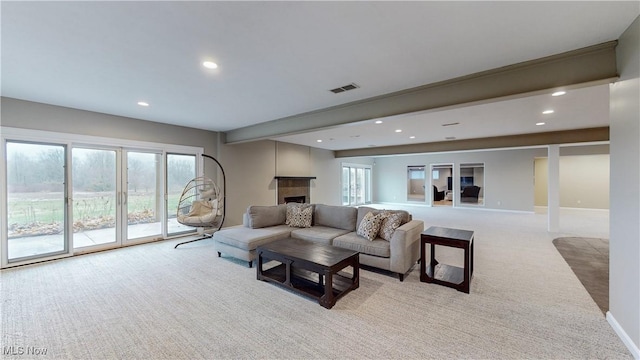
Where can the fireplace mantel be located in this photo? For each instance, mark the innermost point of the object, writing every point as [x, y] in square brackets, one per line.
[294, 177]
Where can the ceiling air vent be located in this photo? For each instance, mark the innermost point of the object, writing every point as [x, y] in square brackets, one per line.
[344, 88]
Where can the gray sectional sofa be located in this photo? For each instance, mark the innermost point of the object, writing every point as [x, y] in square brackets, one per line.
[333, 225]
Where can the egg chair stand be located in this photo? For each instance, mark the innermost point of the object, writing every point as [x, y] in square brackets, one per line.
[202, 204]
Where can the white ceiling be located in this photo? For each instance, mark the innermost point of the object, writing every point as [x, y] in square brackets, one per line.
[278, 59]
[580, 108]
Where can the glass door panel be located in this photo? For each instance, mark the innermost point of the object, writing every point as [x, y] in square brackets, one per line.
[36, 200]
[367, 182]
[360, 188]
[345, 185]
[352, 186]
[180, 170]
[143, 189]
[94, 197]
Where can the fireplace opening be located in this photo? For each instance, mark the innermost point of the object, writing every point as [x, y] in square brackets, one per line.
[295, 199]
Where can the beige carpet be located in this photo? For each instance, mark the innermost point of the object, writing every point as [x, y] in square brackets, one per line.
[155, 302]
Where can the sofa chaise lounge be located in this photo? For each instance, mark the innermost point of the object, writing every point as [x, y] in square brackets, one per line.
[333, 225]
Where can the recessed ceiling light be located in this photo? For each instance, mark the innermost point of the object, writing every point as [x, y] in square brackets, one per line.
[398, 130]
[210, 65]
[540, 124]
[378, 121]
[318, 140]
[558, 93]
[547, 112]
[142, 103]
[412, 137]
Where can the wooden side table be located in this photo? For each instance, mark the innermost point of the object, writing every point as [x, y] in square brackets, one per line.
[447, 275]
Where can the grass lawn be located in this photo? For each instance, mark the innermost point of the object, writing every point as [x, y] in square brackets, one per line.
[33, 209]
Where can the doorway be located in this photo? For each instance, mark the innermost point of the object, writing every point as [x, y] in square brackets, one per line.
[442, 193]
[415, 183]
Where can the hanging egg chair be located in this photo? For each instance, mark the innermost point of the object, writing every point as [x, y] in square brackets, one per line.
[201, 204]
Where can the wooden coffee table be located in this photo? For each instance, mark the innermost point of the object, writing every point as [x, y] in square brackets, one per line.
[309, 268]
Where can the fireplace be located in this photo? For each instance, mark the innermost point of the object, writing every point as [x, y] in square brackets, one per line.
[294, 189]
[295, 199]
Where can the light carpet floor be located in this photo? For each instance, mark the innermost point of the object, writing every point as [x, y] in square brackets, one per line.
[155, 302]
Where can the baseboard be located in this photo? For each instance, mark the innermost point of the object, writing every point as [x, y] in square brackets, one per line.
[544, 208]
[477, 208]
[635, 351]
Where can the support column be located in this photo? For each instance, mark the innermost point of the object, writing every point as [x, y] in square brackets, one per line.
[553, 192]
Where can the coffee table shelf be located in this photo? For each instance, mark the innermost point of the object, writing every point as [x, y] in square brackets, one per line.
[311, 269]
[307, 282]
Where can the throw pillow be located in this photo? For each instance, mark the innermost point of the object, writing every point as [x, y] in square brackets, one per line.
[301, 216]
[290, 207]
[369, 226]
[390, 223]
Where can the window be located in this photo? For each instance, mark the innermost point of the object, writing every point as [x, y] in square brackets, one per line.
[69, 194]
[356, 184]
[472, 184]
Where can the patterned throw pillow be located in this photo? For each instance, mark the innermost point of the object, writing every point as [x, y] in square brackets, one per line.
[390, 222]
[289, 215]
[300, 216]
[369, 226]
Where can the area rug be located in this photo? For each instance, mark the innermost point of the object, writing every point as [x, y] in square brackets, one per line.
[589, 260]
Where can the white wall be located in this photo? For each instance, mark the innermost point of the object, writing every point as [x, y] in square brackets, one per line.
[624, 245]
[38, 116]
[251, 168]
[584, 181]
[508, 176]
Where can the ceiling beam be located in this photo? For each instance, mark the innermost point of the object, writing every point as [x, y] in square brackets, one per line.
[587, 65]
[497, 142]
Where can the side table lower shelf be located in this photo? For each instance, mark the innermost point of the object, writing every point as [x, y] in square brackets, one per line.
[444, 274]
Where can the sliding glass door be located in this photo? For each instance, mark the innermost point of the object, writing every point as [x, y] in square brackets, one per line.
[356, 184]
[36, 200]
[65, 194]
[180, 170]
[95, 201]
[142, 197]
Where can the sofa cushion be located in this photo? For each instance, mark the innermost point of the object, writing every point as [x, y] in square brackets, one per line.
[249, 239]
[318, 233]
[370, 225]
[301, 216]
[352, 241]
[264, 216]
[339, 217]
